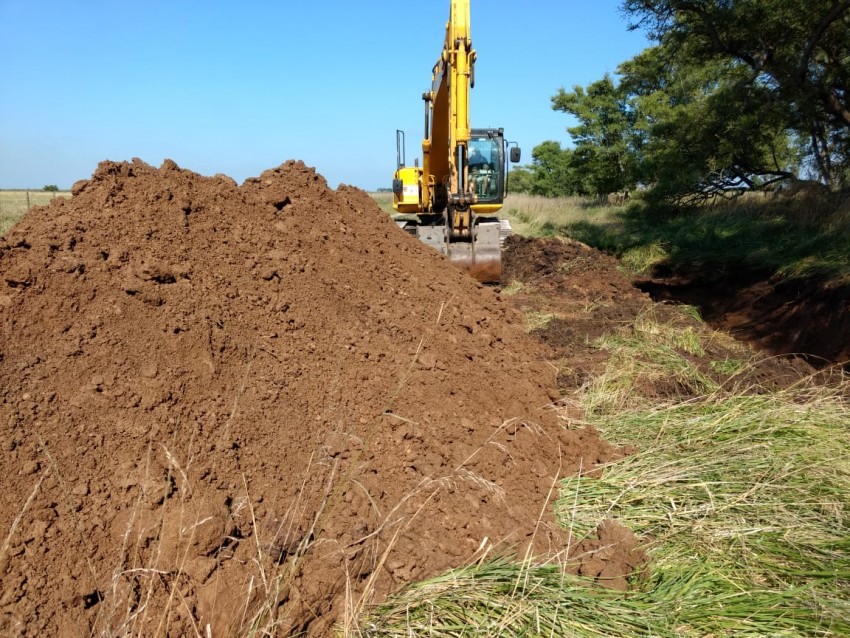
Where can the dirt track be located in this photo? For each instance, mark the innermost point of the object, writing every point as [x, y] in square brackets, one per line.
[208, 385]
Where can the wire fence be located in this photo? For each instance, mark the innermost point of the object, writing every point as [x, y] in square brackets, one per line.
[14, 203]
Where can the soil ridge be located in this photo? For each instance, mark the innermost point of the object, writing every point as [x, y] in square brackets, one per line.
[224, 404]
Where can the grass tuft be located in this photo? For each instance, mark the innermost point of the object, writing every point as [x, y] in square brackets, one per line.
[537, 320]
[647, 354]
[515, 287]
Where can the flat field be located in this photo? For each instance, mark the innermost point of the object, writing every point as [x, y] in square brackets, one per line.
[14, 203]
[384, 200]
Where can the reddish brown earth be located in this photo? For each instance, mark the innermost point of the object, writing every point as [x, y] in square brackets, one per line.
[224, 405]
[584, 290]
[588, 295]
[808, 318]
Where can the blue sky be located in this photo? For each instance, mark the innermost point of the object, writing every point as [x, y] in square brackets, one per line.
[236, 88]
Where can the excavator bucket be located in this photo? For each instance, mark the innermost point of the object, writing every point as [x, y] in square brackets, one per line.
[481, 257]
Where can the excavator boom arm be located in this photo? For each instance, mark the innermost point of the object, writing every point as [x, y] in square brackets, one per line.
[445, 146]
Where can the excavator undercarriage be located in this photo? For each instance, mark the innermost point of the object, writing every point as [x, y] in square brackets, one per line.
[480, 255]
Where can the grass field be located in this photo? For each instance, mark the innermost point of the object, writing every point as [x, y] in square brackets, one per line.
[794, 237]
[14, 203]
[385, 201]
[538, 216]
[534, 216]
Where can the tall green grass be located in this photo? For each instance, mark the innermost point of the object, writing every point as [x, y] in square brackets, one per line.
[802, 237]
[746, 493]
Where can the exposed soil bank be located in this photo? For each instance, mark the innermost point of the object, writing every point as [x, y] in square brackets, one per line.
[580, 293]
[804, 317]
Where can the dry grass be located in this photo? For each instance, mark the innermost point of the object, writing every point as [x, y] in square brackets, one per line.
[535, 216]
[384, 201]
[14, 203]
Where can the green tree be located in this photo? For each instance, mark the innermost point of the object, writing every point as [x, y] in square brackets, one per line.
[736, 94]
[605, 154]
[788, 55]
[51, 188]
[520, 180]
[703, 129]
[552, 170]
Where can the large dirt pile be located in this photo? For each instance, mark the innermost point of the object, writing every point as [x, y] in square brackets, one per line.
[224, 405]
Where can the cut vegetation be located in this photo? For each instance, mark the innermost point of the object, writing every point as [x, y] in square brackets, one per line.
[741, 501]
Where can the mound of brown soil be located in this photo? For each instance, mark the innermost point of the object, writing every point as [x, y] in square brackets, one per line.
[230, 404]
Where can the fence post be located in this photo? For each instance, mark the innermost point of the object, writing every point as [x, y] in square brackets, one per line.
[28, 200]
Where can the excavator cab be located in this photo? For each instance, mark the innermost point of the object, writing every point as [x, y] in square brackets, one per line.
[486, 156]
[487, 169]
[486, 178]
[474, 244]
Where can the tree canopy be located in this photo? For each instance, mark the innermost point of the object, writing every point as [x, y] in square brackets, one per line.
[604, 139]
[733, 94]
[790, 61]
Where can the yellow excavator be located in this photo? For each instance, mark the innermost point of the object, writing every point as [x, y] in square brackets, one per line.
[451, 201]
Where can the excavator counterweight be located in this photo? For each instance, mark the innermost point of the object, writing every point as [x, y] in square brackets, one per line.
[451, 202]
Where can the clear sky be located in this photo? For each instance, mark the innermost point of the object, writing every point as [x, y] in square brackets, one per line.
[239, 87]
